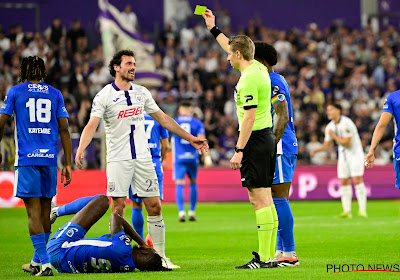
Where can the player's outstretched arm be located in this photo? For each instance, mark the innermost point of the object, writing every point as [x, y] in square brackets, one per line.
[324, 147]
[282, 114]
[3, 120]
[170, 124]
[222, 40]
[118, 224]
[376, 137]
[86, 137]
[63, 129]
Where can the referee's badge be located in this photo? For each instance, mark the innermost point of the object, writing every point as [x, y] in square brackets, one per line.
[111, 186]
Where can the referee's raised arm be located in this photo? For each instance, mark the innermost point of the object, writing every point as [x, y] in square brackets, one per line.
[222, 40]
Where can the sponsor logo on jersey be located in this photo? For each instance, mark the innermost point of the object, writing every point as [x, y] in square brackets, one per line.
[275, 90]
[4, 106]
[152, 145]
[248, 98]
[39, 130]
[116, 99]
[71, 232]
[40, 153]
[130, 112]
[38, 88]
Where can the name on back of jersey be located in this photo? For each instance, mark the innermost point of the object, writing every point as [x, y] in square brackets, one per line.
[39, 130]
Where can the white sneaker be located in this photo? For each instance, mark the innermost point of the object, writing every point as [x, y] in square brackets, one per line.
[168, 264]
[53, 214]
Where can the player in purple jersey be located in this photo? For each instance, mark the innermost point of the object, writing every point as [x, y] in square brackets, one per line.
[70, 252]
[390, 110]
[286, 155]
[40, 116]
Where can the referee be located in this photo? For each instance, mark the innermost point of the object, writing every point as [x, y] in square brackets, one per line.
[255, 151]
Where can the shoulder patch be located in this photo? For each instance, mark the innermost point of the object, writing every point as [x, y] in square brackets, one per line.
[275, 90]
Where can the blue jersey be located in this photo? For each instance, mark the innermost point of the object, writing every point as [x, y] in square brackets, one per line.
[154, 132]
[37, 108]
[183, 150]
[280, 92]
[100, 254]
[392, 105]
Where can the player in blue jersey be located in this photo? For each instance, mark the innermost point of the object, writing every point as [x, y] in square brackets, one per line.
[40, 116]
[186, 160]
[70, 252]
[156, 135]
[286, 155]
[391, 109]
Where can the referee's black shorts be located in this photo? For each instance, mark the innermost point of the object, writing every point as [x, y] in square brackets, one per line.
[259, 157]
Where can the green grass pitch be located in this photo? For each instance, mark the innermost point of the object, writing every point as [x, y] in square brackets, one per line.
[224, 236]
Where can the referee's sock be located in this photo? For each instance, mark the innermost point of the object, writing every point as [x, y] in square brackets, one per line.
[180, 200]
[274, 232]
[265, 226]
[75, 206]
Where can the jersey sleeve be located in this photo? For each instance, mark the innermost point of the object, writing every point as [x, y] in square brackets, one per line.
[278, 93]
[347, 130]
[8, 106]
[98, 106]
[150, 105]
[388, 106]
[248, 93]
[121, 243]
[163, 133]
[328, 138]
[61, 110]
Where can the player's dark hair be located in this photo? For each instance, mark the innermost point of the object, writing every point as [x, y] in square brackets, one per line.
[147, 259]
[186, 104]
[117, 59]
[265, 52]
[32, 69]
[337, 106]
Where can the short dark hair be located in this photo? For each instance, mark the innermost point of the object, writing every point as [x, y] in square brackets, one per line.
[265, 52]
[337, 106]
[32, 68]
[147, 259]
[117, 58]
[186, 104]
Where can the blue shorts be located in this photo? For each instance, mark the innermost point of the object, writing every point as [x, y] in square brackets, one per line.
[397, 171]
[160, 176]
[35, 181]
[284, 168]
[189, 168]
[70, 232]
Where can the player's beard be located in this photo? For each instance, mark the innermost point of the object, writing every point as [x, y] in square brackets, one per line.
[128, 77]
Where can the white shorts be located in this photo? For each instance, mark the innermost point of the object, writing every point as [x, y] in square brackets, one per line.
[350, 167]
[138, 173]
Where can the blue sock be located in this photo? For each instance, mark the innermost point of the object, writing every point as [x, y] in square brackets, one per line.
[180, 200]
[193, 196]
[286, 223]
[75, 206]
[279, 244]
[36, 258]
[138, 221]
[39, 243]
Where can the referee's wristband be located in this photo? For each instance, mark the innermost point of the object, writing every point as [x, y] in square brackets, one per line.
[215, 31]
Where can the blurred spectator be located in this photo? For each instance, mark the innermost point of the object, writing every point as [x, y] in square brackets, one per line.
[130, 17]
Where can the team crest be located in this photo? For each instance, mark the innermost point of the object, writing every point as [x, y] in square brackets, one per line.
[138, 98]
[111, 186]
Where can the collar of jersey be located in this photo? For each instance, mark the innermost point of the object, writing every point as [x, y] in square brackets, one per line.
[117, 88]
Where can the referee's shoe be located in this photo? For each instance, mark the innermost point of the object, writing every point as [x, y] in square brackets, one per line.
[257, 263]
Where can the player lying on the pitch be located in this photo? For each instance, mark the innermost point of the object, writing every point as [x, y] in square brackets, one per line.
[70, 252]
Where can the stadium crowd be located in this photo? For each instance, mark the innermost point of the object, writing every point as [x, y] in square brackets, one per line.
[356, 68]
